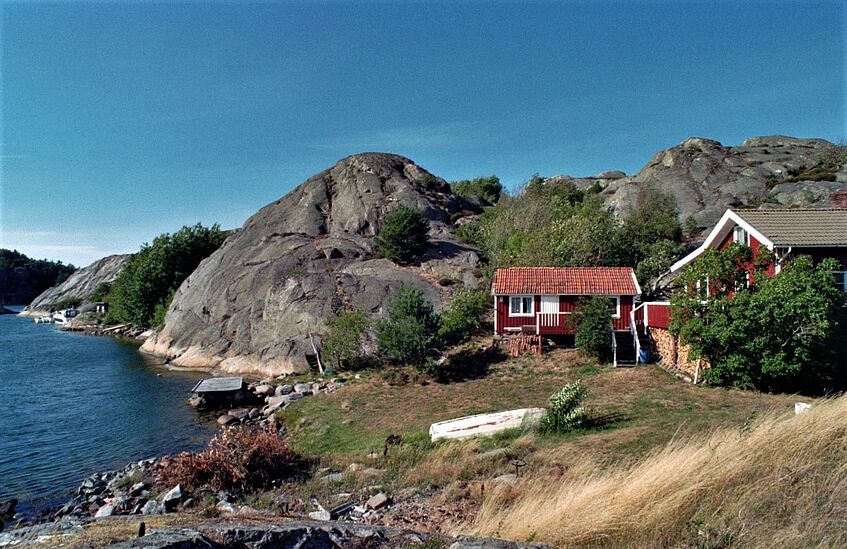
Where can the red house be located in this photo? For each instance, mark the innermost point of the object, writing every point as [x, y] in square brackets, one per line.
[541, 300]
[787, 233]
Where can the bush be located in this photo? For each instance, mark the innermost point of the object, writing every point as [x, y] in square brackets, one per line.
[594, 328]
[409, 334]
[487, 189]
[343, 341]
[464, 315]
[239, 459]
[100, 292]
[68, 303]
[565, 411]
[784, 333]
[156, 271]
[404, 234]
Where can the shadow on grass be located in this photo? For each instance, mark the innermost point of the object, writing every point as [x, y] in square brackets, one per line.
[468, 365]
[604, 421]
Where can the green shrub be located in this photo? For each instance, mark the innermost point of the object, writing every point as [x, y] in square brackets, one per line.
[100, 292]
[156, 271]
[68, 303]
[161, 311]
[594, 328]
[409, 333]
[487, 189]
[404, 234]
[565, 410]
[342, 344]
[464, 316]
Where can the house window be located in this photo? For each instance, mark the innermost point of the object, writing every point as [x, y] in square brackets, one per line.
[521, 305]
[742, 283]
[741, 236]
[702, 287]
[615, 306]
[840, 279]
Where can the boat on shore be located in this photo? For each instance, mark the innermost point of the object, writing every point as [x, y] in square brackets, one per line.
[64, 316]
[46, 319]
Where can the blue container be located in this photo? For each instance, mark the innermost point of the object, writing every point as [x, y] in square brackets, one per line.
[644, 356]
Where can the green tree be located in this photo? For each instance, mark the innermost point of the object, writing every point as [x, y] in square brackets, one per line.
[487, 189]
[464, 316]
[100, 292]
[780, 333]
[594, 328]
[342, 344]
[409, 333]
[156, 271]
[404, 234]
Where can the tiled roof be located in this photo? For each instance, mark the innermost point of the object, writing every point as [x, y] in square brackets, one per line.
[565, 280]
[799, 227]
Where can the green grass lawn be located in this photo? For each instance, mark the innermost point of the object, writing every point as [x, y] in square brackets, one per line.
[639, 407]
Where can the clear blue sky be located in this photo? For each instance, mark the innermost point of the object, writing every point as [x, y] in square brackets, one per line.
[121, 121]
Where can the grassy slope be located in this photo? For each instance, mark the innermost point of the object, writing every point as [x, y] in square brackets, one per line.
[642, 407]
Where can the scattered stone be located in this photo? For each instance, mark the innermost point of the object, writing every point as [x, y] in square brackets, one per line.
[106, 511]
[497, 452]
[225, 507]
[172, 498]
[323, 514]
[151, 508]
[239, 413]
[226, 419]
[303, 387]
[264, 390]
[284, 389]
[510, 478]
[187, 504]
[377, 501]
[137, 488]
[333, 477]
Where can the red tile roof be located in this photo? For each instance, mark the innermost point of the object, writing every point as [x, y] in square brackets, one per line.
[565, 280]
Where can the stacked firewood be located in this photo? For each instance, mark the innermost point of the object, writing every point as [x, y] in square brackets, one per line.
[522, 344]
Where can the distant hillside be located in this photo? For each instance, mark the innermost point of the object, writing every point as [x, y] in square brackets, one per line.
[706, 177]
[80, 285]
[23, 278]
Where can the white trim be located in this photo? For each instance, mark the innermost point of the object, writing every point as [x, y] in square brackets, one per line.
[522, 296]
[843, 279]
[718, 233]
[635, 281]
[617, 299]
[495, 315]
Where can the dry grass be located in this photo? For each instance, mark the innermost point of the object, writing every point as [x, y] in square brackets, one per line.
[779, 481]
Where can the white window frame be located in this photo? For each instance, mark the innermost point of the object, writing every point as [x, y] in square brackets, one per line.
[843, 279]
[531, 311]
[739, 230]
[617, 299]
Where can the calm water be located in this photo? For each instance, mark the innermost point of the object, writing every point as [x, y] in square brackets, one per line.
[71, 405]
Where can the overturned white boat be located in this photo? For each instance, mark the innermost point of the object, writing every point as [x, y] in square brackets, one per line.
[484, 424]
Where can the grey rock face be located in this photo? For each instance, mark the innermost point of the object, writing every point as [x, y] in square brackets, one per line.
[707, 177]
[250, 306]
[81, 284]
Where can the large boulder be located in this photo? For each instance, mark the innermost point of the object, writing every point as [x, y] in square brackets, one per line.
[251, 306]
[706, 178]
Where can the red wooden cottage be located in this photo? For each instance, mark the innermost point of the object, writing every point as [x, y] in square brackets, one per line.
[787, 233]
[541, 300]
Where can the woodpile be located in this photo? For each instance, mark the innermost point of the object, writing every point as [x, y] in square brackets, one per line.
[522, 344]
[674, 356]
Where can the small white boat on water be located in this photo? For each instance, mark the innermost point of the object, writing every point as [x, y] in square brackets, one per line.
[44, 319]
[62, 317]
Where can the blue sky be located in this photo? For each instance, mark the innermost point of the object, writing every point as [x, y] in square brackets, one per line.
[122, 121]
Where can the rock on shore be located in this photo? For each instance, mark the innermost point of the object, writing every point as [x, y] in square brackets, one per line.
[250, 306]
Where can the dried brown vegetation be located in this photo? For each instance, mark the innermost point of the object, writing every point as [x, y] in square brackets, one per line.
[779, 481]
[238, 459]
